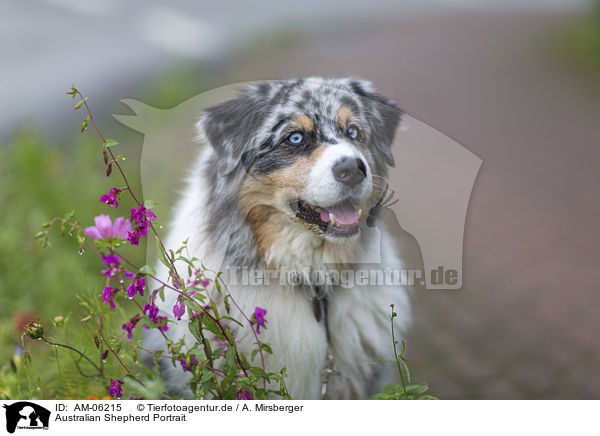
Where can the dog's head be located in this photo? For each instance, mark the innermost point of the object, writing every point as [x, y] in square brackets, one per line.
[313, 151]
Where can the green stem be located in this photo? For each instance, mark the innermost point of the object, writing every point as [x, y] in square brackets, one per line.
[68, 347]
[119, 359]
[396, 354]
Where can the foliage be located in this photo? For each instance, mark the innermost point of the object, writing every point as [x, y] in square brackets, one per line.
[394, 391]
[40, 179]
[218, 370]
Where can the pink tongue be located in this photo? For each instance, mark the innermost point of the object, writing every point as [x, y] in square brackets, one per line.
[344, 214]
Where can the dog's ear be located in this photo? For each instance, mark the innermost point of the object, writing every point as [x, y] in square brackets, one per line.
[230, 127]
[383, 119]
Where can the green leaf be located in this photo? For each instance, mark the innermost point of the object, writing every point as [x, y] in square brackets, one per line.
[212, 327]
[261, 394]
[198, 296]
[245, 360]
[417, 390]
[149, 204]
[229, 337]
[162, 255]
[233, 319]
[194, 328]
[215, 310]
[186, 260]
[408, 378]
[110, 142]
[207, 375]
[230, 356]
[259, 372]
[390, 388]
[147, 269]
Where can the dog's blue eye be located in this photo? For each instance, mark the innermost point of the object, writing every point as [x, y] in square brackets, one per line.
[296, 138]
[352, 132]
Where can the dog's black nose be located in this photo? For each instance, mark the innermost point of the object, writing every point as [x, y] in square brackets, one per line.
[349, 171]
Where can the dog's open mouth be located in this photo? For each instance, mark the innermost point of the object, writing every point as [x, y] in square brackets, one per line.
[339, 220]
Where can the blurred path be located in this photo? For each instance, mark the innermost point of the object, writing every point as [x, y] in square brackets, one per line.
[525, 324]
[109, 46]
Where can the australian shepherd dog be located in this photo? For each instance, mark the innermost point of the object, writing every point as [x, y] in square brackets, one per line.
[291, 180]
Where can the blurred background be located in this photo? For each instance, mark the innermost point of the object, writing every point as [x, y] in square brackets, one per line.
[515, 82]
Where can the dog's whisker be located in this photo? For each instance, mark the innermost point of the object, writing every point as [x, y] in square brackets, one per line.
[380, 183]
[380, 177]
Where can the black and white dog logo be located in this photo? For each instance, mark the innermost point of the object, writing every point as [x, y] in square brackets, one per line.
[26, 415]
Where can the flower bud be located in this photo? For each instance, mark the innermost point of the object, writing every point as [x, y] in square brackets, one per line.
[34, 330]
[59, 320]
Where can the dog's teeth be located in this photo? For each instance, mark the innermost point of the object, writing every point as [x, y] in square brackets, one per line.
[359, 212]
[332, 218]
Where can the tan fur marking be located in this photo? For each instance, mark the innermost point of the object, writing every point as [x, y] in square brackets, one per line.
[304, 122]
[263, 200]
[344, 115]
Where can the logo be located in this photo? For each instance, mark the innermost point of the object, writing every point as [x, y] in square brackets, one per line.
[26, 415]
